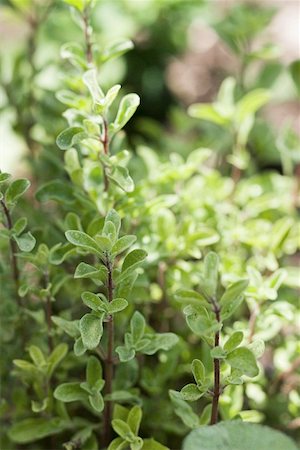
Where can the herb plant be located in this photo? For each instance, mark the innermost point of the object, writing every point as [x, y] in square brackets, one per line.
[147, 295]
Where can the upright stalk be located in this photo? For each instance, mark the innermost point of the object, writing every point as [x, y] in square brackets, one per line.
[48, 310]
[13, 251]
[217, 387]
[109, 361]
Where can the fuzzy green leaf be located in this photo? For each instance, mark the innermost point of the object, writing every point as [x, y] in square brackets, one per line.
[16, 189]
[243, 359]
[91, 329]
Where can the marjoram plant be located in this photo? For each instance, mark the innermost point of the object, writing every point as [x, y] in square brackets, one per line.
[175, 286]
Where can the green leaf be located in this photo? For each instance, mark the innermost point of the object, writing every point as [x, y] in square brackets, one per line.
[56, 357]
[104, 243]
[91, 329]
[218, 353]
[234, 341]
[96, 401]
[93, 301]
[55, 190]
[69, 137]
[16, 189]
[93, 371]
[122, 429]
[84, 270]
[37, 355]
[26, 242]
[70, 392]
[134, 419]
[250, 103]
[232, 298]
[125, 354]
[120, 176]
[206, 111]
[151, 444]
[198, 370]
[160, 341]
[116, 305]
[243, 359]
[190, 392]
[123, 244]
[189, 296]
[118, 444]
[20, 226]
[113, 216]
[116, 49]
[79, 348]
[183, 410]
[131, 262]
[31, 430]
[71, 327]
[137, 326]
[4, 177]
[90, 80]
[127, 108]
[237, 435]
[78, 4]
[211, 267]
[81, 239]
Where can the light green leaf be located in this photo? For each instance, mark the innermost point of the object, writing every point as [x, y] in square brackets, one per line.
[125, 354]
[123, 244]
[20, 226]
[131, 262]
[90, 80]
[198, 370]
[69, 137]
[151, 444]
[191, 393]
[26, 242]
[206, 111]
[122, 429]
[237, 435]
[137, 326]
[113, 216]
[234, 341]
[56, 357]
[96, 401]
[118, 444]
[183, 410]
[37, 355]
[16, 189]
[31, 430]
[91, 329]
[127, 108]
[160, 341]
[93, 301]
[120, 176]
[243, 359]
[81, 239]
[116, 49]
[211, 267]
[84, 270]
[71, 327]
[55, 190]
[116, 305]
[70, 392]
[232, 298]
[134, 419]
[250, 103]
[93, 371]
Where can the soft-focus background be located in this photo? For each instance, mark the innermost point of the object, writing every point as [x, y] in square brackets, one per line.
[183, 50]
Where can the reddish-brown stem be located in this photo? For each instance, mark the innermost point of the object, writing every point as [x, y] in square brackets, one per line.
[13, 251]
[216, 390]
[109, 361]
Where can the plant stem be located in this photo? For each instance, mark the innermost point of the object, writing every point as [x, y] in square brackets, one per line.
[216, 390]
[105, 142]
[48, 309]
[109, 361]
[13, 251]
[87, 36]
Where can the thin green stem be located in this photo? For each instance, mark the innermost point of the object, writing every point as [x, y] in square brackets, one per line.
[217, 388]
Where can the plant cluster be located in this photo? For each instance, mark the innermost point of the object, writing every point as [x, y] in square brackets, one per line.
[154, 294]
